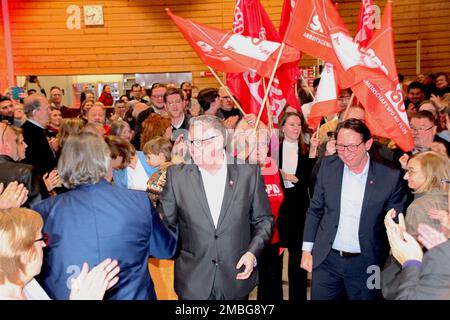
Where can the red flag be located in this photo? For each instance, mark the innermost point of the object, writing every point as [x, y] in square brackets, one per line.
[308, 32]
[252, 20]
[381, 93]
[325, 102]
[385, 110]
[365, 27]
[286, 15]
[229, 52]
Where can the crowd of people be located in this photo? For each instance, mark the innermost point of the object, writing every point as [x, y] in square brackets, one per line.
[86, 197]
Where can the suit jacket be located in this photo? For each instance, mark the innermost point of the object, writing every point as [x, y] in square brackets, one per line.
[429, 282]
[98, 221]
[208, 255]
[23, 173]
[384, 191]
[38, 153]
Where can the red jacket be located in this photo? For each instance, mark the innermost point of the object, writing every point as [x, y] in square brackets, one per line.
[106, 99]
[275, 193]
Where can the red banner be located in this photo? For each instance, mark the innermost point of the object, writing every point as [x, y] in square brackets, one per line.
[230, 52]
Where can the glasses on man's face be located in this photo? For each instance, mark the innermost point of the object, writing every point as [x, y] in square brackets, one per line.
[350, 147]
[414, 129]
[174, 103]
[198, 143]
[45, 237]
[159, 96]
[225, 98]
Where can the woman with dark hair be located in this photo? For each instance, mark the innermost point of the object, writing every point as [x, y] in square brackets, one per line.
[130, 167]
[155, 126]
[295, 168]
[106, 97]
[96, 220]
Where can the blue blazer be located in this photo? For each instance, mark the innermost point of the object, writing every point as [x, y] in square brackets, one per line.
[121, 177]
[384, 191]
[98, 221]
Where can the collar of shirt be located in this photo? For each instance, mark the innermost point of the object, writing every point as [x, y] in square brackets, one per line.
[35, 123]
[363, 173]
[179, 124]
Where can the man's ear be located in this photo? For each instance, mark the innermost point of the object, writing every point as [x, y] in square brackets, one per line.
[368, 144]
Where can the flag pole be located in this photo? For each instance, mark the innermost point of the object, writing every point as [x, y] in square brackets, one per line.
[269, 116]
[348, 107]
[226, 89]
[307, 87]
[272, 76]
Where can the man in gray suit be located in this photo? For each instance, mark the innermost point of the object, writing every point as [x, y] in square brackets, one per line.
[222, 215]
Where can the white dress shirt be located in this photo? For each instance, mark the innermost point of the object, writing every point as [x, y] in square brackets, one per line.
[352, 196]
[290, 160]
[214, 185]
[137, 177]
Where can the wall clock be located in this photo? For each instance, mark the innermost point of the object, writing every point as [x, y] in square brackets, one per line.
[93, 15]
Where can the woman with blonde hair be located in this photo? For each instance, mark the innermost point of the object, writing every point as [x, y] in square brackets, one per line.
[424, 173]
[21, 255]
[252, 146]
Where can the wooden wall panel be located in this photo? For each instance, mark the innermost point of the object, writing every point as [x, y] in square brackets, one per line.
[3, 79]
[138, 37]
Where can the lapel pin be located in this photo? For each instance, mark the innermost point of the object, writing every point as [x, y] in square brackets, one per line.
[231, 183]
[371, 181]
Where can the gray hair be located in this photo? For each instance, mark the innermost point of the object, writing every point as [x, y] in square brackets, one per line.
[32, 103]
[85, 159]
[117, 127]
[211, 121]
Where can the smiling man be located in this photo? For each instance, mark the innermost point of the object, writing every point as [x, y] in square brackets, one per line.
[344, 232]
[222, 214]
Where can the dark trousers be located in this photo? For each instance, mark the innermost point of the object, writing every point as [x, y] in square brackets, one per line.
[298, 277]
[338, 276]
[270, 268]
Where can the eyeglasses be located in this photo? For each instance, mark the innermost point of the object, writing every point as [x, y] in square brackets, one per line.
[45, 238]
[414, 129]
[160, 96]
[351, 147]
[226, 98]
[198, 143]
[173, 103]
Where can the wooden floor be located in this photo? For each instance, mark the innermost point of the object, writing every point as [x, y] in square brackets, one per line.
[162, 275]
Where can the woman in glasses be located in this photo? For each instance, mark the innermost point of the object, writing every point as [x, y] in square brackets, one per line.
[253, 146]
[424, 173]
[21, 255]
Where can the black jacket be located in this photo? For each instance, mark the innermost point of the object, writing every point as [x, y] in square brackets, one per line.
[23, 173]
[38, 153]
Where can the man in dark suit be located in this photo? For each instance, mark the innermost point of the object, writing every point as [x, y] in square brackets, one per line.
[222, 214]
[38, 154]
[344, 232]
